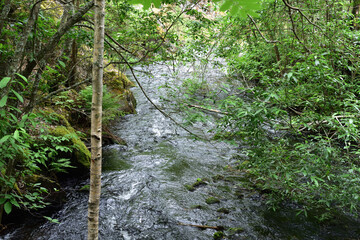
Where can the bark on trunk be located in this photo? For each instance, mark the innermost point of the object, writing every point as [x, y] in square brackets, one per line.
[356, 13]
[96, 119]
[15, 63]
[4, 13]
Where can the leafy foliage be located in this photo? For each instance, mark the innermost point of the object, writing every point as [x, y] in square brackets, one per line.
[241, 8]
[111, 103]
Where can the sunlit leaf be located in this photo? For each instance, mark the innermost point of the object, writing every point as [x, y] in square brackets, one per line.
[18, 96]
[4, 82]
[4, 138]
[146, 3]
[22, 77]
[3, 101]
[8, 207]
[16, 134]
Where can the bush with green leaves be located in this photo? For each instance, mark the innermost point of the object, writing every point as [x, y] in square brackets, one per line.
[27, 149]
[297, 113]
[301, 115]
[111, 103]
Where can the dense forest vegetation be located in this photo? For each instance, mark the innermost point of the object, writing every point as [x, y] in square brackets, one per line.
[290, 94]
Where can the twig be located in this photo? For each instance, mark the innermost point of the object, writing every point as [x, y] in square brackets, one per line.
[257, 28]
[294, 31]
[152, 103]
[207, 109]
[65, 89]
[219, 228]
[302, 14]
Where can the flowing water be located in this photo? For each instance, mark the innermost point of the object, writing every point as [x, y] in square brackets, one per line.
[143, 193]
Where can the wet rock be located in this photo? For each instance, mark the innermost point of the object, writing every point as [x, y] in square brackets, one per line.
[199, 182]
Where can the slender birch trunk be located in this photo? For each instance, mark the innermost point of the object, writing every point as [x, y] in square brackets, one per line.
[96, 119]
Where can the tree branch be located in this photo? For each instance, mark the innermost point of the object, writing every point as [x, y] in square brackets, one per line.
[295, 33]
[257, 28]
[302, 14]
[48, 48]
[65, 89]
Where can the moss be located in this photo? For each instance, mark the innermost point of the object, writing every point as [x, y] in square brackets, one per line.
[217, 177]
[119, 85]
[81, 153]
[117, 81]
[189, 187]
[199, 182]
[212, 200]
[233, 231]
[219, 235]
[198, 207]
[223, 210]
[53, 116]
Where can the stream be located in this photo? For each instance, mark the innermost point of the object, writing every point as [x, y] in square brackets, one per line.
[143, 193]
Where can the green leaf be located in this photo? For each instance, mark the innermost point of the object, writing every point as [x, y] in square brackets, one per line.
[18, 96]
[3, 139]
[22, 77]
[146, 3]
[3, 101]
[2, 200]
[15, 203]
[16, 134]
[8, 207]
[4, 82]
[241, 8]
[51, 219]
[62, 64]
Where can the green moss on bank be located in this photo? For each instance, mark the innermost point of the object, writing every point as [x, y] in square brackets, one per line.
[81, 155]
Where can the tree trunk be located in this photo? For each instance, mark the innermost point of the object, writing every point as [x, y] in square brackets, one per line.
[15, 62]
[74, 53]
[96, 115]
[356, 13]
[4, 13]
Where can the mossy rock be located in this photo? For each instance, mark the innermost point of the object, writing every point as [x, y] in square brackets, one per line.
[128, 102]
[54, 117]
[199, 182]
[117, 81]
[212, 200]
[81, 155]
[218, 178]
[198, 207]
[54, 193]
[120, 85]
[223, 210]
[189, 187]
[219, 235]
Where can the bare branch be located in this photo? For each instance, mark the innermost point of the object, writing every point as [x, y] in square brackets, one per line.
[302, 14]
[295, 33]
[65, 89]
[257, 28]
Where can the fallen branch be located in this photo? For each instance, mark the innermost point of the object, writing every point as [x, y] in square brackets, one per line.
[207, 109]
[219, 228]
